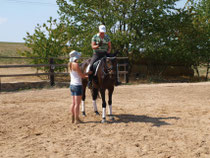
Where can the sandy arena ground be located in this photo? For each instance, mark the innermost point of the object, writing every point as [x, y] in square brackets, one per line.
[151, 121]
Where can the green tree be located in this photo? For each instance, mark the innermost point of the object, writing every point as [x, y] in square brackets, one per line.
[48, 40]
[201, 23]
[132, 24]
[145, 28]
[195, 38]
[150, 30]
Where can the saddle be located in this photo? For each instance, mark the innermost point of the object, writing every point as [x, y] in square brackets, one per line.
[97, 63]
[96, 66]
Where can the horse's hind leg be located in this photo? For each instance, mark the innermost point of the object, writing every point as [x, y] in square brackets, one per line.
[94, 97]
[83, 99]
[110, 92]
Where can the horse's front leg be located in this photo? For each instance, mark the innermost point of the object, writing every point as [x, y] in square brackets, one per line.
[84, 85]
[94, 97]
[103, 105]
[110, 92]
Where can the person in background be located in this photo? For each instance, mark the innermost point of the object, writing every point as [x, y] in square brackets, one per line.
[75, 84]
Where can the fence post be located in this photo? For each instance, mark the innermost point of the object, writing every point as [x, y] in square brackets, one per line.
[52, 75]
[126, 69]
[124, 72]
[118, 76]
[0, 84]
[207, 71]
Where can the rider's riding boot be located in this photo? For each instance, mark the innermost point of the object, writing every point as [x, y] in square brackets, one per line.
[90, 78]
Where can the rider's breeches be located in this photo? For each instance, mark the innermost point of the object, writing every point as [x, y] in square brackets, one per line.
[95, 57]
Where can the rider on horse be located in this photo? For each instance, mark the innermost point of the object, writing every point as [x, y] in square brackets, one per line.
[101, 45]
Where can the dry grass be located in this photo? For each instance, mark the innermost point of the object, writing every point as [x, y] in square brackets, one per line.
[11, 46]
[11, 50]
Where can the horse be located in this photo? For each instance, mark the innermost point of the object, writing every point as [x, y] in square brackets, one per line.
[104, 79]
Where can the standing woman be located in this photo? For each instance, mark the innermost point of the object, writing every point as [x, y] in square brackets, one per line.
[75, 84]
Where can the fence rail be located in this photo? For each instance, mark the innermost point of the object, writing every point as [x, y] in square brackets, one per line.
[34, 65]
[52, 66]
[15, 57]
[38, 74]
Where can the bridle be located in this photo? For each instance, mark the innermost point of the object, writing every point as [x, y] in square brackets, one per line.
[109, 70]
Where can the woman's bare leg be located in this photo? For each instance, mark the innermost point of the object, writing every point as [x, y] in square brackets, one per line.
[72, 108]
[77, 107]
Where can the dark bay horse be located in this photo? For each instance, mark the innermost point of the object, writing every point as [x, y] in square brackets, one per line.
[104, 79]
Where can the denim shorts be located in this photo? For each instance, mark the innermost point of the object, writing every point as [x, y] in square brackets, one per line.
[76, 90]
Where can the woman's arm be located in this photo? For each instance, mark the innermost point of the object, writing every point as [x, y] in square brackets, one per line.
[77, 68]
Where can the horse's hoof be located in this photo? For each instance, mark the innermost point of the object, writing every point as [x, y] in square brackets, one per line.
[97, 113]
[103, 120]
[83, 113]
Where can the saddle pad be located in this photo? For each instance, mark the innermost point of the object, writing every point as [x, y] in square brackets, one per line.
[96, 66]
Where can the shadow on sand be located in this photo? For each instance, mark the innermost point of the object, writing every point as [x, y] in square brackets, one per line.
[156, 121]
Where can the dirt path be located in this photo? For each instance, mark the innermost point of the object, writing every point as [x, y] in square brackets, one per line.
[151, 121]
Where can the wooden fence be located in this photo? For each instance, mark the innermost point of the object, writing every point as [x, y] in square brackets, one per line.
[52, 66]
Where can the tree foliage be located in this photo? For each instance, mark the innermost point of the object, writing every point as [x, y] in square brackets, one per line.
[145, 28]
[48, 40]
[151, 29]
[199, 12]
[202, 25]
[154, 31]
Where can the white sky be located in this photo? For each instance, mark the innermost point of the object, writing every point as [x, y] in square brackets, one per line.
[20, 16]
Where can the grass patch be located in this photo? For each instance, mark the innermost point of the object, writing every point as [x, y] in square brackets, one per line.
[8, 49]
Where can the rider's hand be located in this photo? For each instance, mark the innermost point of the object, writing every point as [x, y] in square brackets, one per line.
[100, 43]
[96, 47]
